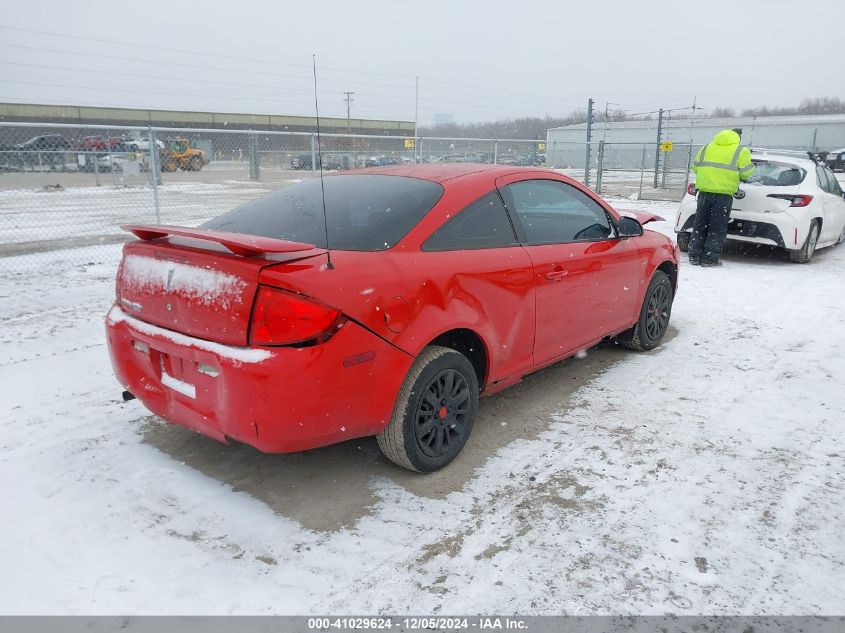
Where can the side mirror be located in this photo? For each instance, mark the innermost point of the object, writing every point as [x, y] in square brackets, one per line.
[628, 227]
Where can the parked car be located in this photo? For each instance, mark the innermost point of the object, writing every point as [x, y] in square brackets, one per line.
[101, 143]
[434, 292]
[835, 160]
[142, 145]
[531, 160]
[85, 161]
[380, 161]
[330, 161]
[791, 202]
[45, 150]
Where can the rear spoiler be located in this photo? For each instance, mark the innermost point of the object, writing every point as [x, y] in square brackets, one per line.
[816, 157]
[238, 243]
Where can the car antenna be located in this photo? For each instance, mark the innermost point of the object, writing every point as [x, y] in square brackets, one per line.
[329, 264]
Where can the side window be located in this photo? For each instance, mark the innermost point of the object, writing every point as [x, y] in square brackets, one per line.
[821, 179]
[553, 212]
[833, 184]
[483, 224]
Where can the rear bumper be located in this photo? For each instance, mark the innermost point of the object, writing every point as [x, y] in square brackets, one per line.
[776, 229]
[277, 399]
[747, 231]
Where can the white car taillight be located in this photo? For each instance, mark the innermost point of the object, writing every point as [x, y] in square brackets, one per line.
[795, 200]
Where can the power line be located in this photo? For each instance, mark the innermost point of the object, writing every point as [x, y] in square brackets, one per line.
[187, 65]
[129, 90]
[191, 52]
[519, 94]
[484, 103]
[158, 77]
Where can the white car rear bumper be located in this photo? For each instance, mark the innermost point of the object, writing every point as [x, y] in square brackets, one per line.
[783, 228]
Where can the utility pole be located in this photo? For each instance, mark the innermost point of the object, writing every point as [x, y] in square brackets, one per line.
[657, 147]
[589, 137]
[348, 98]
[416, 117]
[607, 105]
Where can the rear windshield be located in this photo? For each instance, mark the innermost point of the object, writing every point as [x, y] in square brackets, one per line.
[771, 173]
[364, 212]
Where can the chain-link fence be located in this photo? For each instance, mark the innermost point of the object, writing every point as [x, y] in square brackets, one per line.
[643, 170]
[71, 187]
[68, 187]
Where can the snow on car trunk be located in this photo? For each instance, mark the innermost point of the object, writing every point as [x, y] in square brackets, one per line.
[205, 294]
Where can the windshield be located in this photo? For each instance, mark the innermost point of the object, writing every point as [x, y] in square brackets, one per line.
[364, 213]
[772, 173]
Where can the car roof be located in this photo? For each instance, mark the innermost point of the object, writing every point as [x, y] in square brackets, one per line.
[804, 163]
[441, 172]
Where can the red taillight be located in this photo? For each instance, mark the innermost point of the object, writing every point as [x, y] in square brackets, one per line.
[795, 200]
[691, 190]
[284, 318]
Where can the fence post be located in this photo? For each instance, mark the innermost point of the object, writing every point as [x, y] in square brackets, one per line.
[155, 172]
[110, 161]
[314, 154]
[589, 137]
[689, 162]
[642, 173]
[496, 151]
[96, 168]
[600, 167]
[254, 164]
[657, 145]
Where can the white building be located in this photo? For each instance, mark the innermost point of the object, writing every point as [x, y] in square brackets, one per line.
[794, 132]
[565, 145]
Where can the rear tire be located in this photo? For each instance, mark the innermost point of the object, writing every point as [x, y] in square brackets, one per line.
[654, 316]
[683, 241]
[804, 254]
[434, 411]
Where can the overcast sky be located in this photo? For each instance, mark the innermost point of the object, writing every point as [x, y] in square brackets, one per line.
[478, 60]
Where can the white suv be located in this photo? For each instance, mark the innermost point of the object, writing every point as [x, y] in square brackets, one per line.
[790, 201]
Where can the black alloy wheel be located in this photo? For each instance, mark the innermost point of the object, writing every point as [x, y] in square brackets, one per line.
[654, 317]
[657, 315]
[441, 418]
[434, 411]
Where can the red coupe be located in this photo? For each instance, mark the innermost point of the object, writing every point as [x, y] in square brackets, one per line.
[380, 302]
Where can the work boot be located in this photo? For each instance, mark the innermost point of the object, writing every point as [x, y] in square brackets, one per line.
[694, 260]
[709, 263]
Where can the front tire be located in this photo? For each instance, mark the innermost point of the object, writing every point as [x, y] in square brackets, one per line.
[434, 411]
[804, 254]
[683, 241]
[654, 316]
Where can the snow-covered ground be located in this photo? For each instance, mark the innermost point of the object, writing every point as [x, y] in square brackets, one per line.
[705, 477]
[35, 214]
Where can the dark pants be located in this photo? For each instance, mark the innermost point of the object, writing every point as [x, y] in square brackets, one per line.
[710, 226]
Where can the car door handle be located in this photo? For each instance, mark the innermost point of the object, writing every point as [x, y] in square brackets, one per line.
[556, 275]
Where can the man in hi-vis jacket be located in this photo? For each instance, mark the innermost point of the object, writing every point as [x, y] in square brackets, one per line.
[719, 166]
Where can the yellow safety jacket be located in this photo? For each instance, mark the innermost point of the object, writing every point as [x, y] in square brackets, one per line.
[722, 163]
